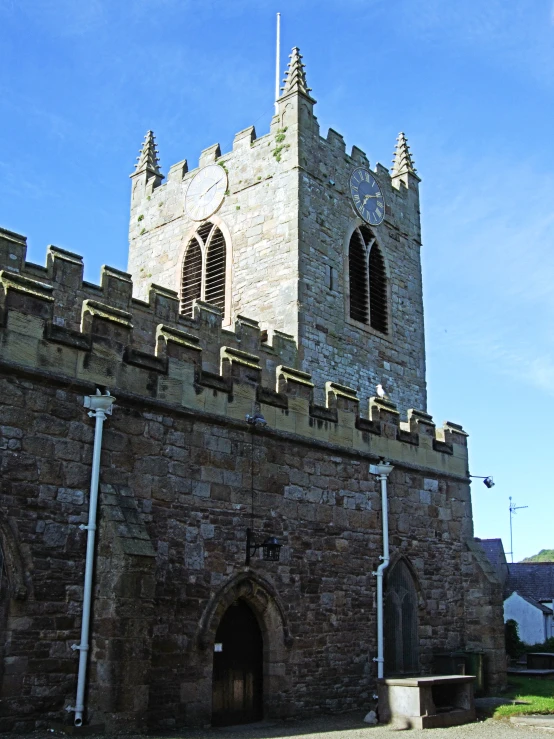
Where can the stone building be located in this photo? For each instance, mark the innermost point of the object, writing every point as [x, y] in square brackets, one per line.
[321, 254]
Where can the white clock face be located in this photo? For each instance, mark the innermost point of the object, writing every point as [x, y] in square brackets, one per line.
[206, 192]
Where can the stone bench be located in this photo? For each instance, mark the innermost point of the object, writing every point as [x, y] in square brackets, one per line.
[427, 702]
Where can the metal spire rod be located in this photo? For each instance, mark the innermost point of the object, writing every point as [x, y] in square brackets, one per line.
[513, 509]
[277, 62]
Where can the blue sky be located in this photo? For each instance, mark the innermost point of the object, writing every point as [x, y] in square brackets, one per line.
[470, 83]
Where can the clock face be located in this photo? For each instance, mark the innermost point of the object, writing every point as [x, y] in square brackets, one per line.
[367, 196]
[206, 192]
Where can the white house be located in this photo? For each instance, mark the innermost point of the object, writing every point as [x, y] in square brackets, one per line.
[533, 618]
[528, 592]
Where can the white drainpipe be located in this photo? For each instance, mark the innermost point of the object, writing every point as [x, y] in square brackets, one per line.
[101, 406]
[383, 470]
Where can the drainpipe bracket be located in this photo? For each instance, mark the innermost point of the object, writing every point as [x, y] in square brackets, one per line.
[79, 647]
[378, 659]
[90, 527]
[99, 404]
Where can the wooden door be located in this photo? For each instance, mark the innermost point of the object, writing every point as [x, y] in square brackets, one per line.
[238, 668]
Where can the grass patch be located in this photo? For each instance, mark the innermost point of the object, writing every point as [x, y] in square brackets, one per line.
[538, 695]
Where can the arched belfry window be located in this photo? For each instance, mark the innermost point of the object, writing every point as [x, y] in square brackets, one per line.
[204, 269]
[367, 281]
[401, 622]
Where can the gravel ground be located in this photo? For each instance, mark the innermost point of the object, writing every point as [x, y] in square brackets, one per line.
[349, 726]
[353, 727]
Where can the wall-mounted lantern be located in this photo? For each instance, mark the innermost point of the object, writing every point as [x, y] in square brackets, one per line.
[271, 547]
[487, 481]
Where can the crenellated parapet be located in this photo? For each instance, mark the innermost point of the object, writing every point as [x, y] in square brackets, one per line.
[54, 322]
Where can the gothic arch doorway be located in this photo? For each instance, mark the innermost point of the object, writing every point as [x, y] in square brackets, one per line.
[238, 665]
[401, 621]
[263, 600]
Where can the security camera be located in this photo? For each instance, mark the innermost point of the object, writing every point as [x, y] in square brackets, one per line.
[489, 482]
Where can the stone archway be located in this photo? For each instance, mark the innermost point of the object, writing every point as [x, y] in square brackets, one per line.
[262, 598]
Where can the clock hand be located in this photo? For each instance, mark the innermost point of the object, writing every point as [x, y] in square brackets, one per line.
[207, 190]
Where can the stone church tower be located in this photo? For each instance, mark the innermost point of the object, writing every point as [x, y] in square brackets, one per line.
[270, 230]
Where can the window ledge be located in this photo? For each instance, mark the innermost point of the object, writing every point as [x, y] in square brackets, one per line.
[368, 329]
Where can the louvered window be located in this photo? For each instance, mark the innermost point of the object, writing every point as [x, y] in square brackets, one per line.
[401, 622]
[215, 270]
[367, 281]
[204, 269]
[377, 290]
[357, 270]
[192, 276]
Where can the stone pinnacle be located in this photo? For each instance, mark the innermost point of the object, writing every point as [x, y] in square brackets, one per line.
[402, 162]
[148, 160]
[295, 79]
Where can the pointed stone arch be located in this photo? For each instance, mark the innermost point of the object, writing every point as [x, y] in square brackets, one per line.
[262, 597]
[366, 280]
[394, 559]
[260, 594]
[205, 272]
[402, 603]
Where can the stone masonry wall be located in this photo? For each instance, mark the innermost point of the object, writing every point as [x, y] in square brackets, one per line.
[287, 218]
[258, 218]
[181, 470]
[330, 343]
[188, 483]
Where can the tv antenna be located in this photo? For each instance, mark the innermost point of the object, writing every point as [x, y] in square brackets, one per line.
[513, 509]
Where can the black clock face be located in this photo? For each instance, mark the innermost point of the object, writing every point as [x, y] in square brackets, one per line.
[367, 196]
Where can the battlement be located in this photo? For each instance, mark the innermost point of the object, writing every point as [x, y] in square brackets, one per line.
[53, 321]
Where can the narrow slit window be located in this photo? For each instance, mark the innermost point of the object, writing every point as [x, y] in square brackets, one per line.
[330, 277]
